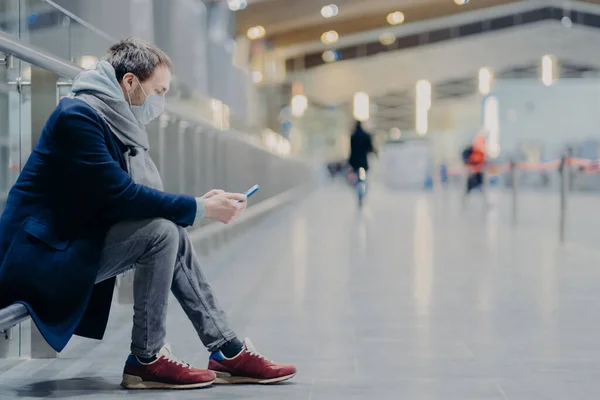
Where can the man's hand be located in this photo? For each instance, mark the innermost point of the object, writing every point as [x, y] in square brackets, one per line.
[212, 193]
[224, 207]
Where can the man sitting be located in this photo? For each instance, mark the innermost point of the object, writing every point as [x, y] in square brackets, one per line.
[89, 205]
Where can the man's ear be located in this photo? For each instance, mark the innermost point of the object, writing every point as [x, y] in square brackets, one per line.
[128, 81]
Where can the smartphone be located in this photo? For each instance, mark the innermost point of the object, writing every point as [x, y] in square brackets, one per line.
[251, 191]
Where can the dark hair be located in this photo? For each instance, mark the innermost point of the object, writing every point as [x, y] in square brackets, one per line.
[137, 56]
[358, 128]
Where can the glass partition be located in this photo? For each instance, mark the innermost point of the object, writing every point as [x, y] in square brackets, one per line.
[15, 144]
[15, 121]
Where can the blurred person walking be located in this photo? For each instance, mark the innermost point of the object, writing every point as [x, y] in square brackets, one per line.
[361, 145]
[89, 205]
[474, 159]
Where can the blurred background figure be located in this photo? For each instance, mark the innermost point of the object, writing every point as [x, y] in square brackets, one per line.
[474, 158]
[336, 167]
[361, 145]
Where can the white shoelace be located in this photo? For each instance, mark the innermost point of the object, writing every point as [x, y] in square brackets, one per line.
[254, 353]
[252, 350]
[166, 353]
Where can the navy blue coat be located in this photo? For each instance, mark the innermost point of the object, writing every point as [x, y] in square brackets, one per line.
[361, 145]
[73, 188]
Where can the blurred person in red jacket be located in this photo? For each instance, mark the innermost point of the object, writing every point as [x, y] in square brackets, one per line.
[474, 158]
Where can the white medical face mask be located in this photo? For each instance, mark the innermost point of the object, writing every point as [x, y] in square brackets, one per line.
[153, 106]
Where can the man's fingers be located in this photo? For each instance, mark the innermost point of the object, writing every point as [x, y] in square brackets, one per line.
[213, 193]
[236, 196]
[237, 205]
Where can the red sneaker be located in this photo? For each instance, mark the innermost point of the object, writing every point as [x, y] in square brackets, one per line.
[248, 367]
[165, 373]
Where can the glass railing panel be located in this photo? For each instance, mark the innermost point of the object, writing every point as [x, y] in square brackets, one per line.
[9, 17]
[45, 27]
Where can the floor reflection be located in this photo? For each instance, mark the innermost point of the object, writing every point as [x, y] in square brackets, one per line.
[299, 257]
[66, 388]
[423, 256]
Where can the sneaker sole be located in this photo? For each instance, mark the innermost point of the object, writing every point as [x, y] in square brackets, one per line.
[135, 382]
[224, 378]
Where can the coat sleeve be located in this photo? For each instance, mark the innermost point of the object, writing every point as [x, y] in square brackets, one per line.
[82, 151]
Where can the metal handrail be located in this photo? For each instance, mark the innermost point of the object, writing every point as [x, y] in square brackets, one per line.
[38, 57]
[80, 21]
[104, 35]
[12, 315]
[43, 59]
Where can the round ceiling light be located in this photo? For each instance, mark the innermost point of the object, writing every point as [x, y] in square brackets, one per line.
[395, 18]
[330, 56]
[256, 32]
[330, 37]
[387, 39]
[237, 5]
[329, 11]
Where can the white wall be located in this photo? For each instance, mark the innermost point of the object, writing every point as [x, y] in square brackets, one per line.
[568, 111]
[531, 115]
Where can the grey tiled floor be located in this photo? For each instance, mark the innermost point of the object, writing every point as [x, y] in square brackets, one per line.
[410, 299]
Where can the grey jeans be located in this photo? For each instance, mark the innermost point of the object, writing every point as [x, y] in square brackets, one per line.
[164, 260]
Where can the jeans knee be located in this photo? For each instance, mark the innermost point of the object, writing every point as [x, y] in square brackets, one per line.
[165, 230]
